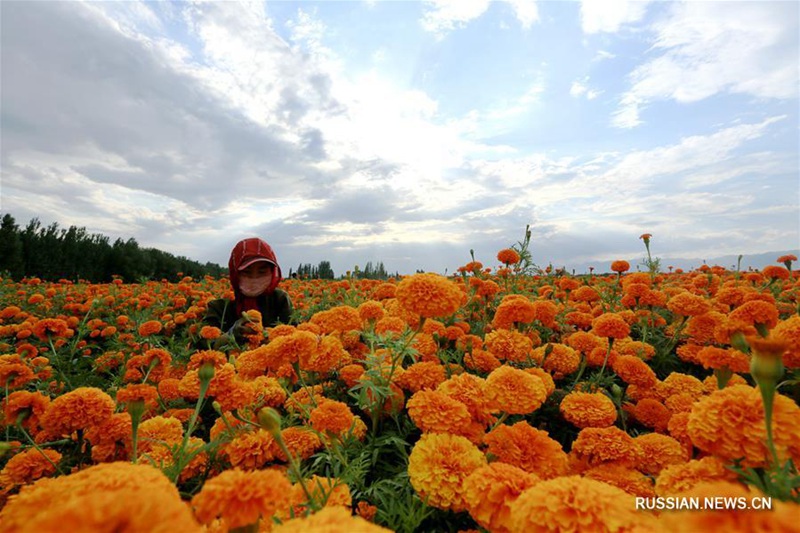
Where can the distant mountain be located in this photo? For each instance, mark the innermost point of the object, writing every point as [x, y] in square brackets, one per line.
[755, 262]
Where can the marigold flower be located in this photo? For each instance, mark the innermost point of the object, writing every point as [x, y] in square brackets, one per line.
[251, 450]
[435, 412]
[595, 446]
[14, 373]
[610, 325]
[719, 358]
[31, 404]
[652, 414]
[326, 520]
[623, 477]
[756, 312]
[561, 359]
[508, 256]
[782, 516]
[620, 266]
[429, 295]
[148, 394]
[680, 477]
[776, 272]
[490, 490]
[514, 391]
[151, 327]
[469, 390]
[730, 424]
[301, 442]
[584, 409]
[28, 466]
[438, 465]
[107, 497]
[81, 408]
[584, 342]
[573, 503]
[481, 361]
[242, 497]
[514, 309]
[210, 332]
[659, 452]
[201, 357]
[340, 319]
[528, 448]
[157, 430]
[789, 330]
[423, 375]
[283, 350]
[332, 416]
[633, 370]
[687, 304]
[509, 345]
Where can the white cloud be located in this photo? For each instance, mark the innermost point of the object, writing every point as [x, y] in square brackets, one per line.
[443, 16]
[526, 11]
[608, 16]
[709, 48]
[580, 88]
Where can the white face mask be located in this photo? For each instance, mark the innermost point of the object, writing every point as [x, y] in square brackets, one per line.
[254, 286]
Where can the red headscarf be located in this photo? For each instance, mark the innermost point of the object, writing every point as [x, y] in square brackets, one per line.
[244, 251]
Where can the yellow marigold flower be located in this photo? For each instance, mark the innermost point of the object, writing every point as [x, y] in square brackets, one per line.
[528, 448]
[584, 409]
[678, 478]
[730, 424]
[81, 408]
[332, 416]
[595, 446]
[659, 451]
[561, 360]
[241, 498]
[327, 520]
[514, 391]
[574, 503]
[623, 477]
[490, 490]
[438, 466]
[430, 295]
[781, 518]
[610, 325]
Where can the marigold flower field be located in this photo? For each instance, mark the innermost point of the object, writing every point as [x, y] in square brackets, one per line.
[490, 400]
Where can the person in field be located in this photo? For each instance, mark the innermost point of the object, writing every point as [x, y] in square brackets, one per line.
[254, 273]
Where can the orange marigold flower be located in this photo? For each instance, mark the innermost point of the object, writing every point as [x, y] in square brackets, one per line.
[332, 416]
[423, 375]
[756, 312]
[340, 319]
[528, 448]
[326, 520]
[371, 311]
[509, 345]
[168, 389]
[285, 349]
[687, 304]
[514, 309]
[251, 450]
[652, 414]
[51, 327]
[481, 361]
[210, 332]
[595, 446]
[677, 383]
[28, 466]
[584, 409]
[584, 342]
[789, 330]
[642, 350]
[776, 272]
[147, 394]
[514, 391]
[623, 477]
[610, 325]
[659, 452]
[678, 478]
[201, 357]
[718, 358]
[508, 256]
[547, 379]
[490, 490]
[633, 370]
[573, 503]
[730, 424]
[301, 442]
[782, 516]
[438, 465]
[81, 408]
[242, 497]
[159, 430]
[557, 358]
[469, 390]
[429, 295]
[435, 412]
[329, 355]
[31, 405]
[620, 266]
[151, 327]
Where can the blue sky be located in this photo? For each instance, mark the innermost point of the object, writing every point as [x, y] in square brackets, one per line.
[407, 132]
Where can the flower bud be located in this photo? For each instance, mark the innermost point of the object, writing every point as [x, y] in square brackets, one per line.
[206, 372]
[766, 364]
[217, 407]
[270, 420]
[738, 341]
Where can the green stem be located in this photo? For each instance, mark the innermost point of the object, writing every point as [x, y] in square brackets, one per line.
[38, 449]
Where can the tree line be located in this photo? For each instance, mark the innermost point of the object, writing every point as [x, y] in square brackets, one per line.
[53, 253]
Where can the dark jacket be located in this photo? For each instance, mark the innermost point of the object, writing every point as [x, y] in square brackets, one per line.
[275, 307]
